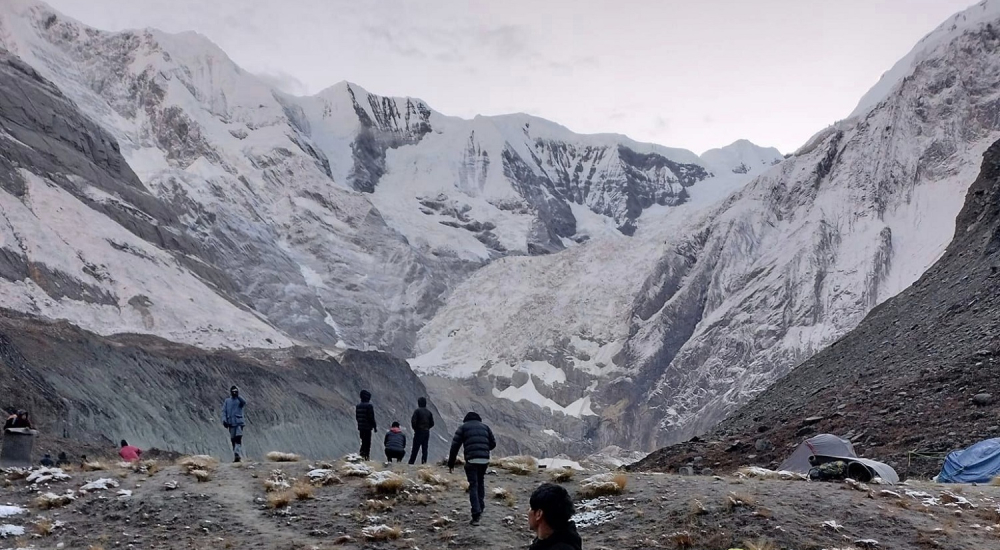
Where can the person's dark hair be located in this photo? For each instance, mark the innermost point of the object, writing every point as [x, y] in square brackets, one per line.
[422, 402]
[555, 502]
[124, 443]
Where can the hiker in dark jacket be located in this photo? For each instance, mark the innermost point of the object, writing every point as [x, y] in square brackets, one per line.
[549, 518]
[478, 440]
[422, 421]
[234, 421]
[395, 443]
[365, 414]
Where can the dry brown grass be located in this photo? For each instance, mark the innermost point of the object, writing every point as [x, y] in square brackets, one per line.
[280, 500]
[442, 521]
[198, 462]
[375, 505]
[518, 465]
[733, 501]
[275, 485]
[429, 477]
[563, 476]
[696, 508]
[49, 501]
[760, 544]
[381, 533]
[201, 475]
[278, 456]
[95, 466]
[44, 527]
[504, 494]
[603, 485]
[387, 483]
[422, 499]
[682, 540]
[303, 490]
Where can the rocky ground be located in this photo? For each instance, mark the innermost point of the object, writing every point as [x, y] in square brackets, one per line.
[164, 505]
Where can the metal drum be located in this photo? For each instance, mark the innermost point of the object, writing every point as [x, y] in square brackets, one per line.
[15, 451]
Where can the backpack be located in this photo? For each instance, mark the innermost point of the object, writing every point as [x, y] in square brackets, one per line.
[828, 471]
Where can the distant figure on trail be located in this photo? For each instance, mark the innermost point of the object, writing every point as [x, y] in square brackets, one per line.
[550, 510]
[47, 461]
[232, 419]
[130, 453]
[395, 443]
[478, 440]
[422, 421]
[365, 414]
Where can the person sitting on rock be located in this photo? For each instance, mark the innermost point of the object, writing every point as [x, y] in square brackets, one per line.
[395, 443]
[550, 510]
[130, 453]
[62, 459]
[21, 420]
[47, 461]
[11, 417]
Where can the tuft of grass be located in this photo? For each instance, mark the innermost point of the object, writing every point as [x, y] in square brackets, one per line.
[682, 540]
[517, 465]
[696, 508]
[995, 481]
[49, 501]
[563, 476]
[603, 485]
[280, 500]
[198, 462]
[422, 499]
[277, 456]
[44, 527]
[442, 521]
[760, 544]
[201, 475]
[381, 533]
[374, 505]
[504, 494]
[303, 490]
[95, 466]
[386, 483]
[739, 500]
[429, 477]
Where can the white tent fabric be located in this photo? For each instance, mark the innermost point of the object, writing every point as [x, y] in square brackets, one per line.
[831, 446]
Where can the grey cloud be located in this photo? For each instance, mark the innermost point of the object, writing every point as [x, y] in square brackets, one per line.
[284, 82]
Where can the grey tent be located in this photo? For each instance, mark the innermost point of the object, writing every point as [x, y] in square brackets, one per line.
[830, 447]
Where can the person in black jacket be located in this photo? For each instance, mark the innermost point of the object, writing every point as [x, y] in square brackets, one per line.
[478, 440]
[365, 414]
[422, 421]
[395, 443]
[549, 518]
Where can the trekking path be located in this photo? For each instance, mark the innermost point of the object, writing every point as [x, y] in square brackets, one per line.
[429, 510]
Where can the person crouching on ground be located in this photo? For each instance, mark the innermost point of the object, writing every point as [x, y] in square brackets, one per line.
[549, 518]
[395, 443]
[129, 453]
[233, 420]
[478, 440]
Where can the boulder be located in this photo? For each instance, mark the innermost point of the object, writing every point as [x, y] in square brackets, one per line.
[982, 399]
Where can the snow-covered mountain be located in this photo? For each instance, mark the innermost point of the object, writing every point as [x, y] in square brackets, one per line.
[250, 218]
[661, 335]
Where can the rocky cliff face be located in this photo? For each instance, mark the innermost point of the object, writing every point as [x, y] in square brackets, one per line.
[919, 373]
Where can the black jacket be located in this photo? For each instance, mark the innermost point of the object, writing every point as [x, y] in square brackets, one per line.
[395, 441]
[365, 413]
[422, 420]
[476, 437]
[566, 539]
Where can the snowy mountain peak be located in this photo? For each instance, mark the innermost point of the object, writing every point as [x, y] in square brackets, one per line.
[741, 157]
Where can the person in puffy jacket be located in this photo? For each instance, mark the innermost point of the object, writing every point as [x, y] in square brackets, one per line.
[395, 443]
[364, 412]
[550, 510]
[233, 420]
[422, 421]
[477, 440]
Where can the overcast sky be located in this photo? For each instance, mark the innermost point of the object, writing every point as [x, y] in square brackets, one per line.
[685, 73]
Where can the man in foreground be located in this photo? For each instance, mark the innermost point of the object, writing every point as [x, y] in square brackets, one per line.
[233, 420]
[549, 518]
[477, 439]
[422, 421]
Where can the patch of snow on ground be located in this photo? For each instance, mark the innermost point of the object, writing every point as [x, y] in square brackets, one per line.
[559, 463]
[8, 530]
[528, 392]
[8, 511]
[102, 484]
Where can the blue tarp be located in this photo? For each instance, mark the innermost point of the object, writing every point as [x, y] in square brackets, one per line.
[979, 463]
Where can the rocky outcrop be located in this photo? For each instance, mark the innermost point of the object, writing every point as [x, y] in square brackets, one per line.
[915, 375]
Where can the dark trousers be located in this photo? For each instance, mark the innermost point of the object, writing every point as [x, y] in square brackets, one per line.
[476, 474]
[394, 455]
[420, 439]
[366, 444]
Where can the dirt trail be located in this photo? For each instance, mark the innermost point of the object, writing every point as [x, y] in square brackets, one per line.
[656, 511]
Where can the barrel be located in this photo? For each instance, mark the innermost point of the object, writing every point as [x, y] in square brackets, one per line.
[15, 450]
